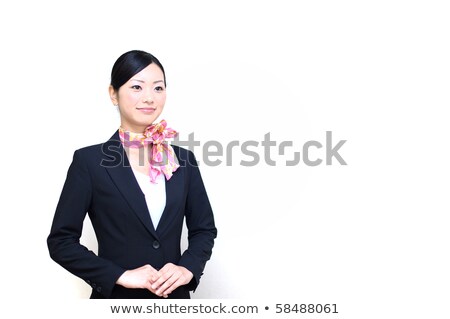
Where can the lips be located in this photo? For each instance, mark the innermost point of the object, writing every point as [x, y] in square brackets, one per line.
[147, 109]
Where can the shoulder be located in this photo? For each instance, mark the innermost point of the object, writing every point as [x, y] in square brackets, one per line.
[110, 151]
[90, 151]
[101, 149]
[87, 156]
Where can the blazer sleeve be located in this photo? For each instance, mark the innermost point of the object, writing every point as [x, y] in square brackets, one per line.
[200, 225]
[64, 238]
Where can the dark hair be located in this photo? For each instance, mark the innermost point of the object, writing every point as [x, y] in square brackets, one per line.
[129, 64]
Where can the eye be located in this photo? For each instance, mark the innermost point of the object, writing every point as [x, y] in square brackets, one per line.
[159, 88]
[136, 87]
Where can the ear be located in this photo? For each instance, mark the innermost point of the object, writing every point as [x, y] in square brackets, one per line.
[113, 95]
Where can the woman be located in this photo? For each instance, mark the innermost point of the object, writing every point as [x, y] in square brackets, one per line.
[137, 191]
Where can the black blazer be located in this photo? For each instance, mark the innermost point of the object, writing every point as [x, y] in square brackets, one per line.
[100, 182]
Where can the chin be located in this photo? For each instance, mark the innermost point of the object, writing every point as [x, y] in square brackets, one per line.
[148, 122]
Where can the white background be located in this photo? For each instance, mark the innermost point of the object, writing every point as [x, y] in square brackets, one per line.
[371, 236]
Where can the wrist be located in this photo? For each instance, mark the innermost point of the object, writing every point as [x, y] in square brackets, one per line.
[121, 280]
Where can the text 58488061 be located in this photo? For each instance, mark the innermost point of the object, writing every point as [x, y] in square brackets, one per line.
[306, 308]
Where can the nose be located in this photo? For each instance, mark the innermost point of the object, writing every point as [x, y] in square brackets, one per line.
[148, 99]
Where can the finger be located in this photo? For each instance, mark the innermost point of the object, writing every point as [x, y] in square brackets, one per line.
[168, 283]
[150, 272]
[166, 269]
[153, 276]
[148, 286]
[157, 274]
[174, 286]
[165, 273]
[161, 280]
[149, 268]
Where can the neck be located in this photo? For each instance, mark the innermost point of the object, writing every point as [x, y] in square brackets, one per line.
[133, 129]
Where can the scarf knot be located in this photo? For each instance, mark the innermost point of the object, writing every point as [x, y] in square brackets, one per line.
[162, 159]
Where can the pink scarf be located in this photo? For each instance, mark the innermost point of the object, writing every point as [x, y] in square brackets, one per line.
[162, 159]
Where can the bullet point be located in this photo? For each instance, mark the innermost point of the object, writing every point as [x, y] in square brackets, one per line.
[267, 308]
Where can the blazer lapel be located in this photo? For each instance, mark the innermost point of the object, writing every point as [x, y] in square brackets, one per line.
[117, 165]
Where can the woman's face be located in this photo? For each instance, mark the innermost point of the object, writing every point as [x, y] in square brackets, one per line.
[141, 99]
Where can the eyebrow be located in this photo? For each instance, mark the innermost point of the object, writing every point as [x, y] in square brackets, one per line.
[142, 81]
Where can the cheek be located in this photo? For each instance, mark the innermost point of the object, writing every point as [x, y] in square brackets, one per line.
[130, 99]
[162, 98]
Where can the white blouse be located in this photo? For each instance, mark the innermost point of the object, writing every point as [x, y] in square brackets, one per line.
[155, 194]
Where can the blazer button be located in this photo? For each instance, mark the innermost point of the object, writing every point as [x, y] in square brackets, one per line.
[99, 289]
[156, 244]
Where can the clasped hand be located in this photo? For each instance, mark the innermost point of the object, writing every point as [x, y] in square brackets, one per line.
[161, 282]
